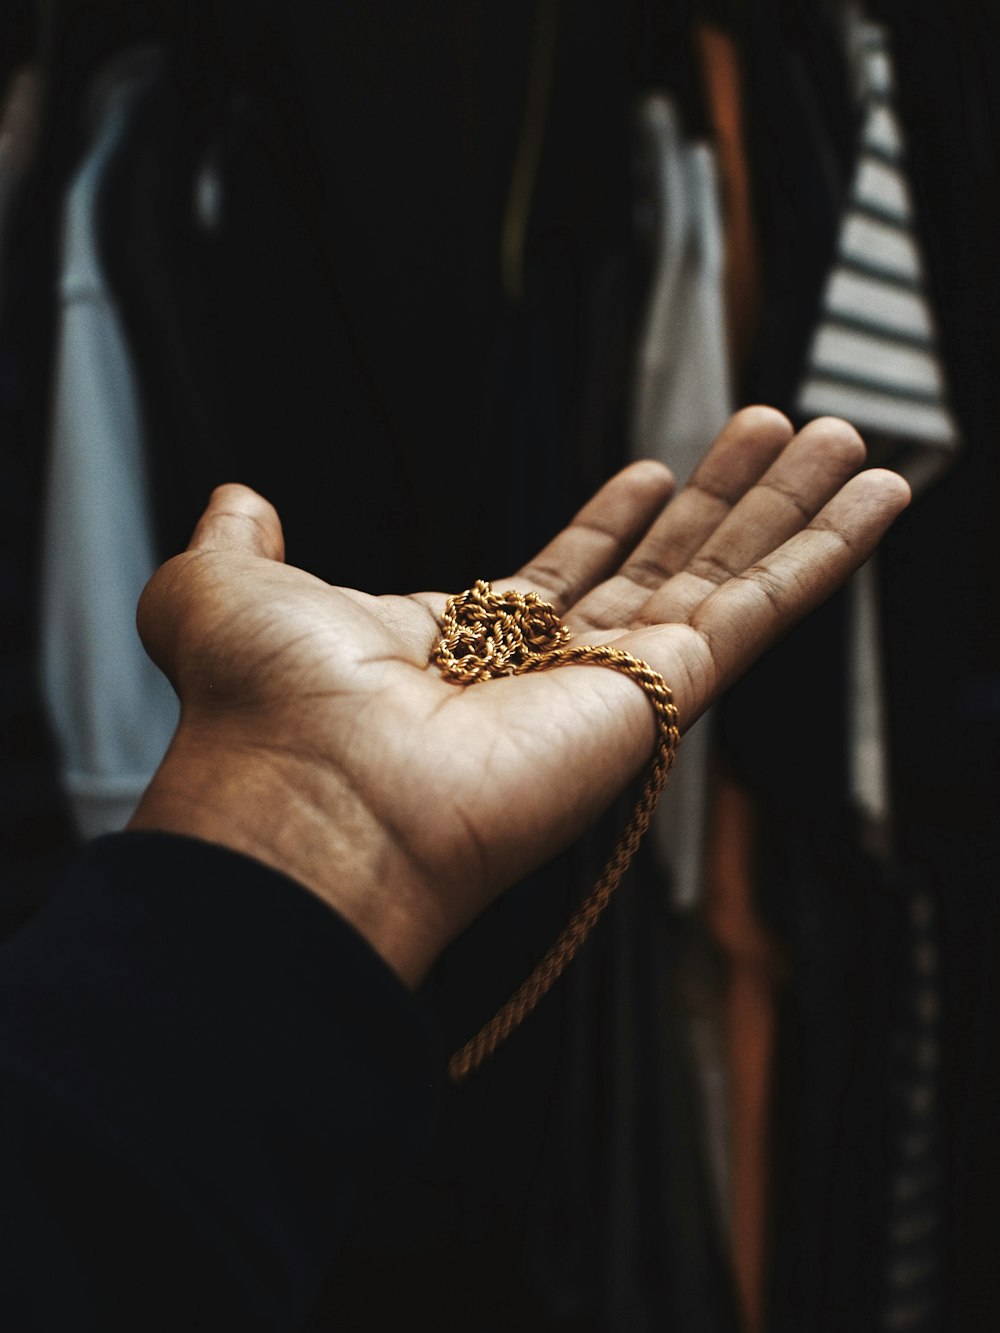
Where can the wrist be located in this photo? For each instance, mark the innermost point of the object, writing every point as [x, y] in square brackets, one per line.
[300, 816]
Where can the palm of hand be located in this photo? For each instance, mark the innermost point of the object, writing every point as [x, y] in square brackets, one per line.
[469, 788]
[474, 785]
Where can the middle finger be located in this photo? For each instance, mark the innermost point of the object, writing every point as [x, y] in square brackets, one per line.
[813, 468]
[745, 449]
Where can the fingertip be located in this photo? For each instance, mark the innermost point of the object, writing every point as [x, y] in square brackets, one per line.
[837, 435]
[651, 474]
[881, 489]
[758, 419]
[238, 519]
[893, 485]
[632, 498]
[749, 442]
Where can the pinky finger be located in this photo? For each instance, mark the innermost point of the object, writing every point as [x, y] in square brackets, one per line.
[745, 615]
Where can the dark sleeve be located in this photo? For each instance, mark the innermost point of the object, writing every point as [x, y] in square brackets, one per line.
[200, 1067]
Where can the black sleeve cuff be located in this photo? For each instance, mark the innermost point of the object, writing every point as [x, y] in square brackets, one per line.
[220, 1029]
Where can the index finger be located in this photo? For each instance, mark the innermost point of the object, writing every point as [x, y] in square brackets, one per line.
[599, 538]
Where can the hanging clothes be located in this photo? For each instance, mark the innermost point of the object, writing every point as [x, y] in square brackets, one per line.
[682, 398]
[18, 139]
[874, 359]
[112, 711]
[35, 831]
[302, 231]
[860, 1145]
[942, 633]
[874, 356]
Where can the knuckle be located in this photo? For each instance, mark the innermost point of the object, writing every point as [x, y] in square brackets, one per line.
[647, 572]
[789, 494]
[710, 567]
[768, 585]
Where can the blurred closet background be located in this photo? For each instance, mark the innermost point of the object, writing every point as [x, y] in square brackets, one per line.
[425, 275]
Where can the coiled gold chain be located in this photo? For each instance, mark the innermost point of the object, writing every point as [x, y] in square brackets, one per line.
[484, 635]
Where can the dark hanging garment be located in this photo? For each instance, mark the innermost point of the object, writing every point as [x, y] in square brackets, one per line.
[339, 290]
[887, 1102]
[941, 576]
[801, 128]
[247, 367]
[542, 1206]
[35, 831]
[66, 42]
[801, 134]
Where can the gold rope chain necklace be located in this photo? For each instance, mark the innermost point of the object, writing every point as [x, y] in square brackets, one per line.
[486, 634]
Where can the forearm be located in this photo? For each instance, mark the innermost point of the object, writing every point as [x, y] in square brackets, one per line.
[227, 1056]
[303, 819]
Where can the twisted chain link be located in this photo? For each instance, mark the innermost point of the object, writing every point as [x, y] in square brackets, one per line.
[484, 635]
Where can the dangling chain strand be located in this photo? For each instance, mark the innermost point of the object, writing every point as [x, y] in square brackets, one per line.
[484, 635]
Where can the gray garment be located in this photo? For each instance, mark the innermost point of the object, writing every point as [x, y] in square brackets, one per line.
[683, 392]
[682, 399]
[112, 712]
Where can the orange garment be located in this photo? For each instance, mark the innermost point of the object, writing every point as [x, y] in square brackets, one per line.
[753, 961]
[754, 970]
[720, 60]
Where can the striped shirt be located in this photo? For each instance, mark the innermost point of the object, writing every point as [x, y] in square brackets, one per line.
[874, 358]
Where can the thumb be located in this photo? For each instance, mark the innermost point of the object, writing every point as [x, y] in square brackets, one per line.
[237, 519]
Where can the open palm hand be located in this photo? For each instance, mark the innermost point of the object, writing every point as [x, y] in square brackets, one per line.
[316, 736]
